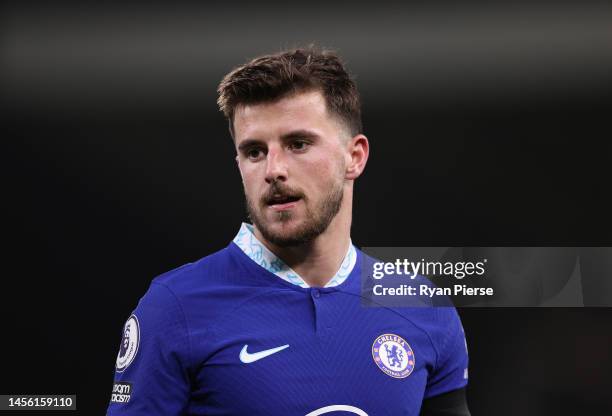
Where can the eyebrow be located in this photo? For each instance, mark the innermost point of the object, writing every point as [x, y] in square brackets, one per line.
[248, 143]
[295, 134]
[299, 134]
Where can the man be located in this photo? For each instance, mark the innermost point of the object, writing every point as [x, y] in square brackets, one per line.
[273, 323]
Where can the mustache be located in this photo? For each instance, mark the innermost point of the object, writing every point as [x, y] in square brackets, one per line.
[279, 190]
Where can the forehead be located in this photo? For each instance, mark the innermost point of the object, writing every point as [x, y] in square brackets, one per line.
[300, 111]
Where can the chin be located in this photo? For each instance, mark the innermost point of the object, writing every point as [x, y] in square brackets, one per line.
[285, 228]
[287, 233]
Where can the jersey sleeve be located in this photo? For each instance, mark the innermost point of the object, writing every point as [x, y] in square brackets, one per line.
[151, 372]
[451, 370]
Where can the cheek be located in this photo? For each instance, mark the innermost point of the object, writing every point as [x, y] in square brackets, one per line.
[326, 172]
[249, 171]
[249, 180]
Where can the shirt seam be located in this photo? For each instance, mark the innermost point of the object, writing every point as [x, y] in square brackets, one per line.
[211, 326]
[185, 323]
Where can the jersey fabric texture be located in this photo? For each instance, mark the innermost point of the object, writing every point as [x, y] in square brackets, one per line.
[226, 336]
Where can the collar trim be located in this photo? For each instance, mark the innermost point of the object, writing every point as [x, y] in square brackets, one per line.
[259, 253]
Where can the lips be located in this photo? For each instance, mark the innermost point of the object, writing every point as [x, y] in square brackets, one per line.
[282, 199]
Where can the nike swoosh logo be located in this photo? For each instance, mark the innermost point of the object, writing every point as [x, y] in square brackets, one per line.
[248, 358]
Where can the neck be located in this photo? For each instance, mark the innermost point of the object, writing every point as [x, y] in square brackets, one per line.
[318, 260]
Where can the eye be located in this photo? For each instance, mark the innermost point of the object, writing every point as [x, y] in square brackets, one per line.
[254, 153]
[299, 145]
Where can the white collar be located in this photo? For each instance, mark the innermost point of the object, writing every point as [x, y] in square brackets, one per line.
[259, 253]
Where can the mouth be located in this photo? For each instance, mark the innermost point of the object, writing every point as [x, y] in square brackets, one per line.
[282, 202]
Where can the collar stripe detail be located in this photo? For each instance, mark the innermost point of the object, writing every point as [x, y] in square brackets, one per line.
[259, 253]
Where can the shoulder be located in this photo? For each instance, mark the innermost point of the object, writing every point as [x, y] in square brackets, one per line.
[204, 271]
[205, 289]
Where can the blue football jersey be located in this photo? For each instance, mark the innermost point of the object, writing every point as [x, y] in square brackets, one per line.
[226, 336]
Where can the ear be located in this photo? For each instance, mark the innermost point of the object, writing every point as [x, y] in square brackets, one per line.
[358, 150]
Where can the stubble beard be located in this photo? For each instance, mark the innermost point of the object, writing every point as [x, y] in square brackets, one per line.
[316, 220]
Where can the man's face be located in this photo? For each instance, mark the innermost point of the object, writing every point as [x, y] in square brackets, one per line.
[292, 158]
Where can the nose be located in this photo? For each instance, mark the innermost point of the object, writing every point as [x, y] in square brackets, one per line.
[276, 166]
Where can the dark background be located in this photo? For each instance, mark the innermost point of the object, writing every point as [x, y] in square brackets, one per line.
[489, 125]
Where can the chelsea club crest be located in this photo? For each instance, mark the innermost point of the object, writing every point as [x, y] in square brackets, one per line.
[129, 344]
[393, 355]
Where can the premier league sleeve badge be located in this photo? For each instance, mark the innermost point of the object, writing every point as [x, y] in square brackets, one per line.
[129, 344]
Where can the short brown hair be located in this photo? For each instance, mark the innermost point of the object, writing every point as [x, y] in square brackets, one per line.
[271, 77]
